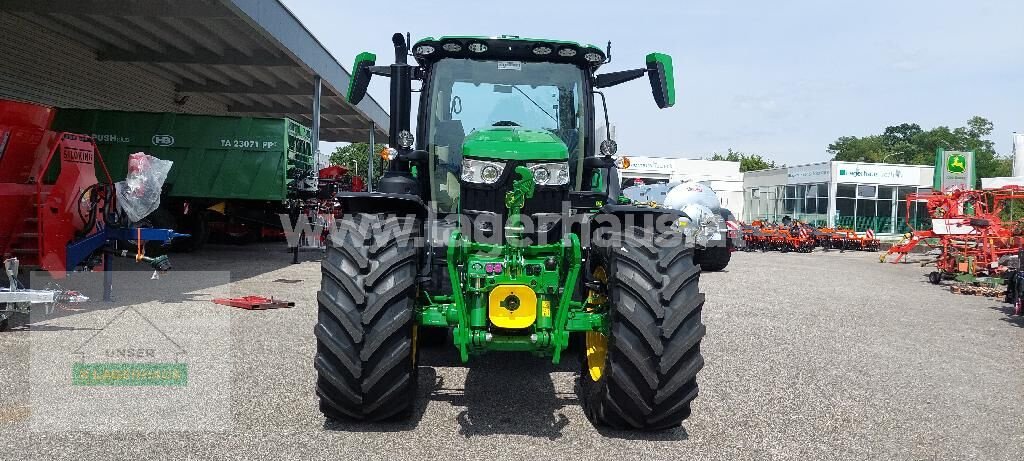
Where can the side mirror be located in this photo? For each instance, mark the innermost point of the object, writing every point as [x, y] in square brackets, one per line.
[659, 69]
[360, 77]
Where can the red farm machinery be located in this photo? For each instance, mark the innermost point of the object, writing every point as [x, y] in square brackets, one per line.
[55, 215]
[803, 238]
[974, 233]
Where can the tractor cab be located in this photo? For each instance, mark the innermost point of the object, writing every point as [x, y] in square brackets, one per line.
[490, 104]
[502, 106]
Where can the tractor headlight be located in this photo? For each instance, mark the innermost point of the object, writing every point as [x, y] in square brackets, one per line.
[481, 171]
[550, 174]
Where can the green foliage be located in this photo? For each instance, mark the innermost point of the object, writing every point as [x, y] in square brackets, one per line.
[748, 162]
[356, 155]
[908, 143]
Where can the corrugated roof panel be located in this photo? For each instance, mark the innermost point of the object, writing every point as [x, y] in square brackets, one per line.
[194, 56]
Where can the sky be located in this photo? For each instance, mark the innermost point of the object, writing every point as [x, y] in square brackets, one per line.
[782, 79]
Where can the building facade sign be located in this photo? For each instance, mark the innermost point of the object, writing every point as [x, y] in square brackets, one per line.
[806, 174]
[867, 173]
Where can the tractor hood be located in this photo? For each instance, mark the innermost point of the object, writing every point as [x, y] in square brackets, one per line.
[515, 143]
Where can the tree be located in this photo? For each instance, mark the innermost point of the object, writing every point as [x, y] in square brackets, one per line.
[748, 162]
[357, 155]
[898, 142]
[908, 143]
[854, 149]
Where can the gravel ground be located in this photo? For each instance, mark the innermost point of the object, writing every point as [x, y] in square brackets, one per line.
[809, 356]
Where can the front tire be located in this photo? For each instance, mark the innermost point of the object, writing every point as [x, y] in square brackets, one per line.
[365, 352]
[645, 375]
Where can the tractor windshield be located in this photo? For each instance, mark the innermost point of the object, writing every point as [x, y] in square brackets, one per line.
[469, 95]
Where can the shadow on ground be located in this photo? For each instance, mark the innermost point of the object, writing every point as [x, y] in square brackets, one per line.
[193, 277]
[1007, 310]
[503, 394]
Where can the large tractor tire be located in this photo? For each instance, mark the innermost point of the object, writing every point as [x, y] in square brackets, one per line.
[712, 259]
[643, 374]
[365, 332]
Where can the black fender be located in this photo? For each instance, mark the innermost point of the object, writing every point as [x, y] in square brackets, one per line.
[638, 214]
[382, 202]
[616, 217]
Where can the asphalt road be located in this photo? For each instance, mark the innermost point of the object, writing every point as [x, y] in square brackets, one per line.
[809, 356]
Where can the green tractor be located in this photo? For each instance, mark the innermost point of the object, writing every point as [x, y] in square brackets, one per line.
[497, 227]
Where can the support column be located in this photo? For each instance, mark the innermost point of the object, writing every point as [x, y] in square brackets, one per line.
[315, 135]
[369, 161]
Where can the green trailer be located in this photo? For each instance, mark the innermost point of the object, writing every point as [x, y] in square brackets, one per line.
[229, 172]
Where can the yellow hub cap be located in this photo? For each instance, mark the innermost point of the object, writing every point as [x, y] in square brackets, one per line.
[597, 343]
[597, 354]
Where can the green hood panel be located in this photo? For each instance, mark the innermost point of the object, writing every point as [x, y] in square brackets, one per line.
[514, 143]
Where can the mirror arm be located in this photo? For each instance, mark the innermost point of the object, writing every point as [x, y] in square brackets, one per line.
[616, 78]
[607, 124]
[383, 71]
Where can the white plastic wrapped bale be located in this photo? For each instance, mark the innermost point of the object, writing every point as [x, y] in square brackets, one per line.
[139, 194]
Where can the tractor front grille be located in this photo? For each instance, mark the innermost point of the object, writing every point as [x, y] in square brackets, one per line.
[491, 197]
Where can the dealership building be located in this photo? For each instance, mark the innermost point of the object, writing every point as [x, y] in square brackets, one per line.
[853, 195]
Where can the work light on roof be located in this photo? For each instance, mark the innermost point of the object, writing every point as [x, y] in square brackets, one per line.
[592, 57]
[477, 47]
[452, 47]
[405, 139]
[424, 50]
[542, 50]
[567, 52]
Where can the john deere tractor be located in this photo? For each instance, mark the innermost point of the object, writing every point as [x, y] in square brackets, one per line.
[497, 227]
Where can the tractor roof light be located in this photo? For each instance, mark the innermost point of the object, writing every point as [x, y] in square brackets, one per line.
[452, 47]
[609, 147]
[567, 52]
[424, 50]
[477, 47]
[592, 57]
[541, 50]
[405, 139]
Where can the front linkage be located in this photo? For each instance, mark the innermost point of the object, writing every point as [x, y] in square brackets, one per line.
[524, 291]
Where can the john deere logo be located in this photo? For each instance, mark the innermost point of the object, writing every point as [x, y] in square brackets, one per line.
[956, 163]
[163, 140]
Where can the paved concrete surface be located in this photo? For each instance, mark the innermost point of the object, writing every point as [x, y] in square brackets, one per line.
[809, 356]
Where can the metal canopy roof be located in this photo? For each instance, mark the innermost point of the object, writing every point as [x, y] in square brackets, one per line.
[232, 57]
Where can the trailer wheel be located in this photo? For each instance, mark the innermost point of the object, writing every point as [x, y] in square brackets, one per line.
[366, 338]
[641, 374]
[935, 277]
[712, 259]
